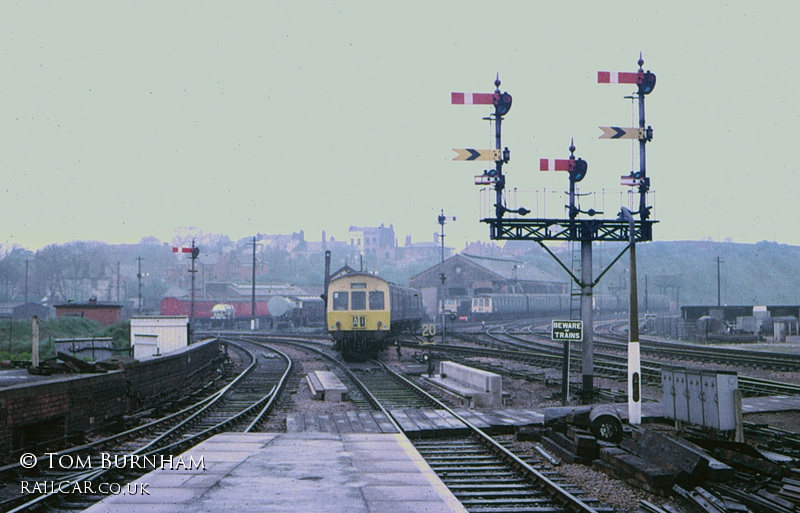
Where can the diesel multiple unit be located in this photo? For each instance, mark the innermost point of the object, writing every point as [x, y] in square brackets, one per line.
[364, 311]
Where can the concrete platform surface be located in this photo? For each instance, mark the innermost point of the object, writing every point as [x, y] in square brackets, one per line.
[291, 472]
[14, 377]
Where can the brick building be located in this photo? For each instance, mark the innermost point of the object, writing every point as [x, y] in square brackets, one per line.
[104, 313]
[373, 241]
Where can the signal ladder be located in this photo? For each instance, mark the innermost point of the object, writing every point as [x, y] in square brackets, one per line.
[575, 289]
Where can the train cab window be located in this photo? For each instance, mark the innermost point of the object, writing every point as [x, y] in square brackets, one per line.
[376, 300]
[340, 300]
[359, 300]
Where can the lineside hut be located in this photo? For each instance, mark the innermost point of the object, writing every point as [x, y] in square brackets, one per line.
[104, 313]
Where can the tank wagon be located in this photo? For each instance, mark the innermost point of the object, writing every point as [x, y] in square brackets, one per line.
[365, 311]
[203, 309]
[237, 313]
[289, 312]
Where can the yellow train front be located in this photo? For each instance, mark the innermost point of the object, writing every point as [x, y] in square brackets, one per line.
[365, 311]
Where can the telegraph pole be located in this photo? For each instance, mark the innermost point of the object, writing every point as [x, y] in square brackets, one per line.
[139, 276]
[253, 297]
[327, 282]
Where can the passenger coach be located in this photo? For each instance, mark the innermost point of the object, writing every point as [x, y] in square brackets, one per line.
[364, 311]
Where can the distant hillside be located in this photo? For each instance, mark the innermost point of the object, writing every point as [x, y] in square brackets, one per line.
[759, 274]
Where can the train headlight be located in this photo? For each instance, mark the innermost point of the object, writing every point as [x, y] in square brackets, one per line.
[380, 324]
[338, 325]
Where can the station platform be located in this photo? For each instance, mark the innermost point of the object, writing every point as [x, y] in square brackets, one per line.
[13, 377]
[292, 472]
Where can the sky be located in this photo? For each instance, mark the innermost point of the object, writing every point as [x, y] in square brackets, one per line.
[125, 120]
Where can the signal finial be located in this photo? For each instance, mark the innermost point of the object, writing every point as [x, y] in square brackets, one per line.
[497, 82]
[641, 61]
[572, 148]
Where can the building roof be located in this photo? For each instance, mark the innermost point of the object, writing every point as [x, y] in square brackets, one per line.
[512, 269]
[345, 269]
[97, 304]
[233, 290]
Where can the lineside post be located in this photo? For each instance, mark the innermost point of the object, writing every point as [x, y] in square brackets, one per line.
[587, 316]
[634, 362]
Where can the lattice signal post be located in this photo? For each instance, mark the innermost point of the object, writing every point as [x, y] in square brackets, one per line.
[585, 230]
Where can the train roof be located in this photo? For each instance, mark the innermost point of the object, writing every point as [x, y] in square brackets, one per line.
[363, 274]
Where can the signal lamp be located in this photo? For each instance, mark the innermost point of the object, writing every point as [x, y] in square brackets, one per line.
[502, 103]
[646, 82]
[578, 168]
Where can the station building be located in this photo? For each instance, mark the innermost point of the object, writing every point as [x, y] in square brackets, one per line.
[469, 275]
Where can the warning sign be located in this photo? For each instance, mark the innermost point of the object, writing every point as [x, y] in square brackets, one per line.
[567, 330]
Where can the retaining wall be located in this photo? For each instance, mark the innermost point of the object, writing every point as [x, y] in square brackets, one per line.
[75, 404]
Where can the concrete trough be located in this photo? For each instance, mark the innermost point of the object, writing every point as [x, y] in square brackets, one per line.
[483, 389]
[325, 386]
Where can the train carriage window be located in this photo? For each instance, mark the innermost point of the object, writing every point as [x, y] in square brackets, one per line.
[340, 300]
[359, 300]
[376, 300]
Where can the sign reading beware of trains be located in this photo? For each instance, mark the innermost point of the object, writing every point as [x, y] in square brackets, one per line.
[567, 330]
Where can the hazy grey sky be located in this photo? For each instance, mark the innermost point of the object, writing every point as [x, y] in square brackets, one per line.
[121, 120]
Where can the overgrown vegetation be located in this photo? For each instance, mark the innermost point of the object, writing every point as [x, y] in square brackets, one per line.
[16, 336]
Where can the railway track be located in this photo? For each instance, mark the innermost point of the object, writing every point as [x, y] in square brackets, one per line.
[509, 481]
[609, 335]
[537, 350]
[74, 478]
[485, 476]
[482, 480]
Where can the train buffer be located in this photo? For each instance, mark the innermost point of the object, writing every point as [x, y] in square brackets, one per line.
[481, 388]
[325, 386]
